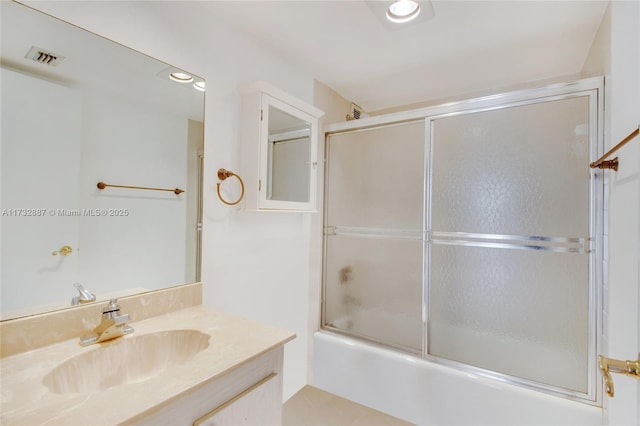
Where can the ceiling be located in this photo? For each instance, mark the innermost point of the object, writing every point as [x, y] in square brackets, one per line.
[467, 47]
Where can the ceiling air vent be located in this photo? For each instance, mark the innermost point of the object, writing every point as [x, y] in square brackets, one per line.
[44, 57]
[355, 113]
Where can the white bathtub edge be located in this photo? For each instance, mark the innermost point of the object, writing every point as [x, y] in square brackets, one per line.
[423, 392]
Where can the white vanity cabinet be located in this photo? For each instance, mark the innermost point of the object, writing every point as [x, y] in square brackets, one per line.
[250, 394]
[254, 406]
[279, 141]
[233, 377]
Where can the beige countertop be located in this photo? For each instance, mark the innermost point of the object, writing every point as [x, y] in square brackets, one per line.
[233, 342]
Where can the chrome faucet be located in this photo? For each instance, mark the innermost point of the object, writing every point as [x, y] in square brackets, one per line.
[113, 325]
[85, 295]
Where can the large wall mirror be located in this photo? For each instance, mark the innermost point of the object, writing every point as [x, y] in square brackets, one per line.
[77, 110]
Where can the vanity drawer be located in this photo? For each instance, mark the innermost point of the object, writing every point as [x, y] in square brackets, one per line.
[248, 395]
[253, 406]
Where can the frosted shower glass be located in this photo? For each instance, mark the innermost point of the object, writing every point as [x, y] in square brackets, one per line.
[518, 170]
[499, 177]
[375, 177]
[374, 289]
[521, 313]
[374, 240]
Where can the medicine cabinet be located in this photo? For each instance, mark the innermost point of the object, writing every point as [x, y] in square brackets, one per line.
[279, 149]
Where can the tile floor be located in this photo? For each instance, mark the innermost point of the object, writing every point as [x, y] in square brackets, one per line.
[314, 407]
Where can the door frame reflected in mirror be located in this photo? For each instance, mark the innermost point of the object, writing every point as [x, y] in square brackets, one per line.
[292, 180]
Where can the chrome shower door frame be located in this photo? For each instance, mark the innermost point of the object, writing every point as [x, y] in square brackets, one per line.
[592, 88]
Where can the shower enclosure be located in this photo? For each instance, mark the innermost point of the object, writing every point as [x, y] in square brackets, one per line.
[470, 234]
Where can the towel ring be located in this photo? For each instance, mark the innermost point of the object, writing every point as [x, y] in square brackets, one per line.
[222, 175]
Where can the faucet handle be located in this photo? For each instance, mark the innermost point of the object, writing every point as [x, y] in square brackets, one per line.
[112, 306]
[112, 309]
[84, 296]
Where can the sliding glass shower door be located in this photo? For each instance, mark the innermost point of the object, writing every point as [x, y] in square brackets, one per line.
[509, 230]
[473, 236]
[373, 235]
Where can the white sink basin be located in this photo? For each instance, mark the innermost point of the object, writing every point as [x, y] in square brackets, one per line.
[125, 360]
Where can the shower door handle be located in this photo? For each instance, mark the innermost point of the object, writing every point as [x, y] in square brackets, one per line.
[609, 365]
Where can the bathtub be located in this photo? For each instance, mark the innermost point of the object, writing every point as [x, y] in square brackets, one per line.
[426, 393]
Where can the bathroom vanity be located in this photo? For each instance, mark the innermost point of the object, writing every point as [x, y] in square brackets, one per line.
[185, 366]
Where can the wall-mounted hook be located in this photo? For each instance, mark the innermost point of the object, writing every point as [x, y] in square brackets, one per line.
[64, 250]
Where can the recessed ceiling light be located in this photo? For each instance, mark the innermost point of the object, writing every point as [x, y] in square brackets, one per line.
[181, 77]
[199, 85]
[403, 11]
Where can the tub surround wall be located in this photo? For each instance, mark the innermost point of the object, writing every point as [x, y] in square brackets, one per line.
[36, 331]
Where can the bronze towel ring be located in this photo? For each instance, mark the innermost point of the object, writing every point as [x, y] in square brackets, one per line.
[222, 175]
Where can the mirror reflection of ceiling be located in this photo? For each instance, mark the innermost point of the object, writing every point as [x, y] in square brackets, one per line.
[129, 73]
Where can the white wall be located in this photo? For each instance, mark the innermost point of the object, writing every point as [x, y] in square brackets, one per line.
[238, 247]
[41, 138]
[615, 53]
[598, 60]
[622, 292]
